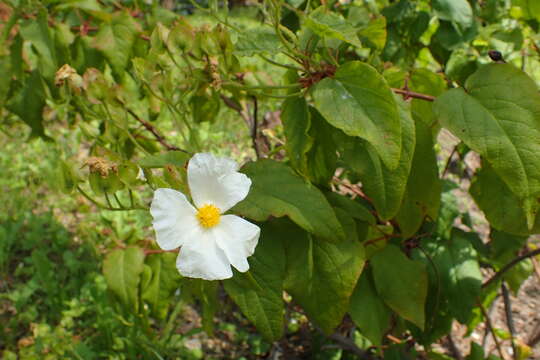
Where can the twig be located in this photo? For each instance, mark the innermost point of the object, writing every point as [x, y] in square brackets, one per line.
[251, 121]
[411, 94]
[254, 127]
[489, 325]
[349, 345]
[447, 166]
[160, 138]
[509, 318]
[508, 266]
[489, 312]
[352, 188]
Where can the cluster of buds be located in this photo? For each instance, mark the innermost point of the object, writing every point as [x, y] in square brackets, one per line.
[100, 166]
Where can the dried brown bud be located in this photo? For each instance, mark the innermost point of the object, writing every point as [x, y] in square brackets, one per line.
[101, 166]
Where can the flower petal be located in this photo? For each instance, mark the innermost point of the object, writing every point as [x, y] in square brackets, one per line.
[238, 239]
[203, 259]
[215, 180]
[175, 219]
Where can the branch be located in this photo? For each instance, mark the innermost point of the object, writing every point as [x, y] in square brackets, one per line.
[411, 94]
[447, 166]
[510, 265]
[349, 345]
[254, 127]
[352, 188]
[489, 325]
[509, 318]
[251, 121]
[160, 138]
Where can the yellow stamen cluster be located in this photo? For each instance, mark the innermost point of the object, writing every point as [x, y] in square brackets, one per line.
[208, 216]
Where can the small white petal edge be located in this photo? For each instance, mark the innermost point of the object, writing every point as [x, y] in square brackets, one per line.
[175, 219]
[215, 180]
[238, 239]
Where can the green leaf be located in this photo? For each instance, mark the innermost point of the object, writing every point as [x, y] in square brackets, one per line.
[423, 193]
[374, 34]
[321, 276]
[28, 103]
[426, 82]
[296, 119]
[358, 101]
[258, 40]
[91, 7]
[5, 77]
[331, 25]
[122, 269]
[459, 274]
[498, 116]
[37, 32]
[458, 11]
[277, 191]
[530, 8]
[500, 206]
[352, 207]
[386, 187]
[115, 40]
[368, 311]
[504, 248]
[402, 283]
[258, 293]
[322, 157]
[162, 283]
[205, 108]
[177, 158]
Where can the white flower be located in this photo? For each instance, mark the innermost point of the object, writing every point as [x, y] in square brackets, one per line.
[210, 241]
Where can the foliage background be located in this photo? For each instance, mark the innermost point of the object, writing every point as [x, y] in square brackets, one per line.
[381, 229]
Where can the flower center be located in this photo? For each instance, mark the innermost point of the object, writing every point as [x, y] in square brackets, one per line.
[208, 216]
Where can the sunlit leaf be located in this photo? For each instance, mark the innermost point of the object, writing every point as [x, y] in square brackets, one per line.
[277, 191]
[358, 101]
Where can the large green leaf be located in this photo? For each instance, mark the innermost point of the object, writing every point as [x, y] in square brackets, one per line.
[458, 11]
[321, 276]
[386, 187]
[423, 192]
[459, 274]
[28, 103]
[277, 191]
[401, 282]
[322, 157]
[122, 269]
[162, 283]
[501, 207]
[36, 31]
[115, 40]
[258, 293]
[498, 116]
[296, 119]
[358, 101]
[331, 25]
[368, 311]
